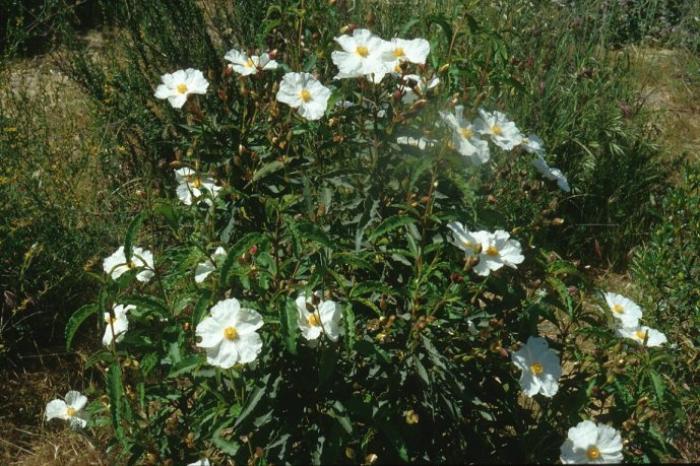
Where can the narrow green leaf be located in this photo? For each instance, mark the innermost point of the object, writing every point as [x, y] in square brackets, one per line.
[131, 234]
[659, 386]
[252, 401]
[288, 321]
[268, 169]
[76, 320]
[390, 224]
[115, 390]
[241, 246]
[201, 307]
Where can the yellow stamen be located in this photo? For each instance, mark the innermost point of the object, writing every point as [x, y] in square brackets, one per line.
[196, 182]
[182, 88]
[305, 95]
[230, 333]
[70, 411]
[398, 52]
[641, 335]
[110, 319]
[618, 309]
[593, 453]
[313, 319]
[362, 51]
[536, 368]
[397, 69]
[130, 264]
[250, 63]
[496, 130]
[466, 133]
[492, 251]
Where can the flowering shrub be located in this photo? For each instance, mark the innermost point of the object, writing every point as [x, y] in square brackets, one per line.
[347, 202]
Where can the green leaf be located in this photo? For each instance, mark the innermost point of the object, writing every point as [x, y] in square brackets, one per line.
[444, 24]
[252, 401]
[659, 386]
[288, 321]
[390, 224]
[230, 447]
[187, 365]
[241, 246]
[268, 169]
[349, 320]
[314, 233]
[115, 390]
[131, 234]
[148, 303]
[201, 307]
[76, 320]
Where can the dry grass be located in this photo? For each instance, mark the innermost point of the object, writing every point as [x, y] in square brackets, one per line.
[670, 87]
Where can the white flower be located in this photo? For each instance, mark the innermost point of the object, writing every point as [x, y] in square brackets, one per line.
[116, 264]
[464, 137]
[177, 86]
[533, 144]
[68, 410]
[202, 462]
[117, 325]
[302, 91]
[411, 94]
[361, 56]
[245, 65]
[553, 174]
[540, 368]
[192, 186]
[494, 250]
[397, 51]
[315, 320]
[592, 443]
[204, 269]
[229, 336]
[640, 334]
[502, 131]
[421, 143]
[623, 309]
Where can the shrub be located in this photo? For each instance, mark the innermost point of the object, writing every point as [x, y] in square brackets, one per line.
[356, 206]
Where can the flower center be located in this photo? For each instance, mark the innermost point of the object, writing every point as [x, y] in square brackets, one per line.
[230, 333]
[313, 320]
[496, 130]
[362, 51]
[492, 251]
[305, 95]
[70, 411]
[398, 52]
[641, 335]
[182, 88]
[536, 368]
[618, 309]
[110, 319]
[130, 264]
[466, 132]
[250, 63]
[196, 182]
[593, 453]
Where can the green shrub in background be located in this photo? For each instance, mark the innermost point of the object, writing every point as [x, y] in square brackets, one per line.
[421, 370]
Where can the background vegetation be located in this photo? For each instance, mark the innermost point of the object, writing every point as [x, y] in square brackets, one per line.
[85, 147]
